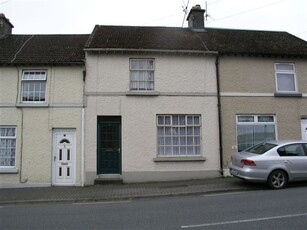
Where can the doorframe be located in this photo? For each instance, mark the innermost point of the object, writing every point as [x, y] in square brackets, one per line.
[303, 123]
[109, 120]
[73, 157]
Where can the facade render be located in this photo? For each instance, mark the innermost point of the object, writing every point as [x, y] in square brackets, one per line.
[263, 80]
[141, 104]
[151, 104]
[41, 108]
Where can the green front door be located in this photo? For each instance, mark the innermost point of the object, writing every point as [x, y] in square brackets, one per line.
[109, 145]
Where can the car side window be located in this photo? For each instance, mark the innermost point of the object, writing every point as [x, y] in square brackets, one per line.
[291, 150]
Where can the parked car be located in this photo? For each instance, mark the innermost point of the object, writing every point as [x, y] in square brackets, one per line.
[274, 162]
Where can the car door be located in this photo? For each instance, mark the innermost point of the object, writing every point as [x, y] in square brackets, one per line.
[295, 160]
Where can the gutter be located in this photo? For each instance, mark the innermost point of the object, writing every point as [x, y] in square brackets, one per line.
[124, 50]
[217, 61]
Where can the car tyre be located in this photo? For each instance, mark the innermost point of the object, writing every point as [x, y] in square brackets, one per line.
[278, 179]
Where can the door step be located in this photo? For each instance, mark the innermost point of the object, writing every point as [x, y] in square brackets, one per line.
[108, 181]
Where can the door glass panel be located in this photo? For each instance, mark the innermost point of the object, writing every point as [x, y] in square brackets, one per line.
[60, 171]
[68, 171]
[60, 155]
[68, 154]
[64, 141]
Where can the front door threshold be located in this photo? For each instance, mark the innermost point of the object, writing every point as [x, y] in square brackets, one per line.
[108, 181]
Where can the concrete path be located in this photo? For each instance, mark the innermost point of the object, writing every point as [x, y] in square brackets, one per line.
[124, 191]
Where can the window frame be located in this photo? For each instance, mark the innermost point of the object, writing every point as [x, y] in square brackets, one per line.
[280, 71]
[196, 147]
[145, 81]
[3, 167]
[256, 121]
[25, 80]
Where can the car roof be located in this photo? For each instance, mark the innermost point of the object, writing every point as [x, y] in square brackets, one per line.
[283, 142]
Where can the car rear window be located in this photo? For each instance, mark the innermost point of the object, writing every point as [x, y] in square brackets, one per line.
[260, 148]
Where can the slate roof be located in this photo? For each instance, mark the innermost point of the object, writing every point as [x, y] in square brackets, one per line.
[42, 49]
[225, 41]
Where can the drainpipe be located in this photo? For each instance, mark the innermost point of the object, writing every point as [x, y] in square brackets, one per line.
[217, 61]
[82, 147]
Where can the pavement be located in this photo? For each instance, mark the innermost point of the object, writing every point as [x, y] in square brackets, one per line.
[113, 192]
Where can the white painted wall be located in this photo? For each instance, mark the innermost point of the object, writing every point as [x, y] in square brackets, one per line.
[175, 77]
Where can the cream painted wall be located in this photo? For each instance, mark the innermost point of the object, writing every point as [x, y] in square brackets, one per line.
[35, 124]
[110, 73]
[106, 83]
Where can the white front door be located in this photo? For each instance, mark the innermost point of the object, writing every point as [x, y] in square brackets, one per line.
[304, 129]
[63, 157]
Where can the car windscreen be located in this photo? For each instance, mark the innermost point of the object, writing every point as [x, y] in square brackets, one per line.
[260, 148]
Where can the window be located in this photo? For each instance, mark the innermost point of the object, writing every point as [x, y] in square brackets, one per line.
[141, 74]
[7, 147]
[285, 78]
[179, 135]
[294, 150]
[33, 86]
[254, 129]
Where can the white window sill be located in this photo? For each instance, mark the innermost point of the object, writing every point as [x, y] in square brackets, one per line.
[8, 171]
[32, 105]
[142, 93]
[179, 159]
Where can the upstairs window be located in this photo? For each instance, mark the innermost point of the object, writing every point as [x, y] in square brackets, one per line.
[33, 86]
[285, 78]
[141, 74]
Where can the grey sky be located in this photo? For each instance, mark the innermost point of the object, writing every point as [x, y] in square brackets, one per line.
[80, 16]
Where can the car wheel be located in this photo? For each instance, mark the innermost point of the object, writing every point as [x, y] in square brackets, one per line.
[278, 179]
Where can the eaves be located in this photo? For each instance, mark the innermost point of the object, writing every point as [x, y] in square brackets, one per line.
[149, 51]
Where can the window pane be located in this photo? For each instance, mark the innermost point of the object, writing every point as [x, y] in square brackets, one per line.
[284, 67]
[160, 120]
[196, 120]
[182, 120]
[285, 82]
[265, 119]
[142, 64]
[246, 118]
[249, 135]
[167, 120]
[134, 64]
[244, 136]
[190, 120]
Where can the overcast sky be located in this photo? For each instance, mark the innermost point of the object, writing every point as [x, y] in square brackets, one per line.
[80, 16]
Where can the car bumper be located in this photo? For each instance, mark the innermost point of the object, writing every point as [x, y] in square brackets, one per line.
[248, 173]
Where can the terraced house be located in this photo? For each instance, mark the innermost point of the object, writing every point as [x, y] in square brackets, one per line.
[263, 88]
[140, 104]
[41, 107]
[151, 103]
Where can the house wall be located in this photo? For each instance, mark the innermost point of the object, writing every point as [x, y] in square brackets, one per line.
[186, 85]
[248, 86]
[64, 103]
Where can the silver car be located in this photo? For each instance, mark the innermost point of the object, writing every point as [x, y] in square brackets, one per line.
[274, 162]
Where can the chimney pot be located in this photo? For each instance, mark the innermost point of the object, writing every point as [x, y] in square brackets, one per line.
[5, 25]
[196, 18]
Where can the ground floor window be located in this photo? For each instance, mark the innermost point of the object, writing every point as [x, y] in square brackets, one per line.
[253, 129]
[7, 146]
[179, 135]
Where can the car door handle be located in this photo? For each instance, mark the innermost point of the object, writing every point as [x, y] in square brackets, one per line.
[287, 162]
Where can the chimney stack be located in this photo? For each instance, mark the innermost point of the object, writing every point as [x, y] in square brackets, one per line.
[5, 26]
[196, 18]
